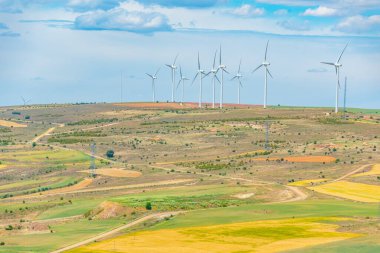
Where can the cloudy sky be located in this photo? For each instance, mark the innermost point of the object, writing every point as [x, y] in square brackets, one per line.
[61, 51]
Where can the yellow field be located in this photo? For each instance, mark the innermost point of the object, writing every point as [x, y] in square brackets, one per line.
[350, 190]
[308, 182]
[375, 170]
[6, 123]
[257, 236]
[112, 172]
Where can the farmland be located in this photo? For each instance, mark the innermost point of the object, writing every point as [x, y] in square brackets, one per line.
[206, 177]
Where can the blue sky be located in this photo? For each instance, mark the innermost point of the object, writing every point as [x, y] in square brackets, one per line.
[62, 51]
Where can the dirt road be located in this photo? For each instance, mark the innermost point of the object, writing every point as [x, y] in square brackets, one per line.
[352, 172]
[116, 230]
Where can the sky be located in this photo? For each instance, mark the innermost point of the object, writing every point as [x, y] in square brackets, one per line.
[68, 51]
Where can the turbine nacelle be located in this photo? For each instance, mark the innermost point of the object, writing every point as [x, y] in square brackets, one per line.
[266, 64]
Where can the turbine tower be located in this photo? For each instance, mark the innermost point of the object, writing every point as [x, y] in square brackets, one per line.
[213, 71]
[182, 80]
[200, 73]
[337, 66]
[238, 76]
[222, 67]
[173, 68]
[154, 77]
[265, 64]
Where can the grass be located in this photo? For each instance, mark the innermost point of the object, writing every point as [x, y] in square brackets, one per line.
[257, 236]
[46, 156]
[63, 235]
[350, 190]
[181, 198]
[253, 212]
[78, 207]
[367, 244]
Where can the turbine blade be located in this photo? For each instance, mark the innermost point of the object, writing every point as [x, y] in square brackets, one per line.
[206, 75]
[233, 78]
[195, 77]
[328, 63]
[336, 70]
[213, 65]
[175, 59]
[226, 71]
[179, 83]
[241, 85]
[239, 66]
[199, 62]
[257, 68]
[149, 75]
[216, 77]
[170, 66]
[269, 73]
[342, 53]
[220, 55]
[157, 71]
[180, 71]
[266, 51]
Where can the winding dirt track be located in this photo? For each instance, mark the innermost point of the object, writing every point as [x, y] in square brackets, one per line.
[116, 230]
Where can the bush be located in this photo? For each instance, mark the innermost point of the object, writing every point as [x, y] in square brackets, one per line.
[110, 153]
[148, 206]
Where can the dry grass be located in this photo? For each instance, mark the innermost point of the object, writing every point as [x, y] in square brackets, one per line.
[309, 182]
[350, 190]
[113, 172]
[301, 159]
[375, 170]
[258, 236]
[6, 123]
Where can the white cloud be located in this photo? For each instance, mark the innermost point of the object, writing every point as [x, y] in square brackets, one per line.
[246, 10]
[321, 11]
[123, 20]
[359, 24]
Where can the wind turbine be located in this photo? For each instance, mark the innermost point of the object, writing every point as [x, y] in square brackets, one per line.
[265, 64]
[213, 71]
[173, 68]
[337, 66]
[182, 80]
[223, 69]
[200, 73]
[154, 77]
[238, 76]
[25, 102]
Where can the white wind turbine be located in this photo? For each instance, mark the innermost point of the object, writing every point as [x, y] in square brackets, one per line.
[337, 66]
[25, 101]
[222, 67]
[266, 65]
[182, 80]
[213, 71]
[200, 73]
[154, 77]
[238, 76]
[173, 68]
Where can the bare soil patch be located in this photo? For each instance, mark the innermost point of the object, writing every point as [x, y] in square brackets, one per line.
[114, 172]
[6, 123]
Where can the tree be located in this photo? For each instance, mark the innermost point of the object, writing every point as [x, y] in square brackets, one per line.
[110, 153]
[148, 206]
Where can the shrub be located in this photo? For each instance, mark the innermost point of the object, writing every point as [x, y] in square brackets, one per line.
[110, 153]
[148, 206]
